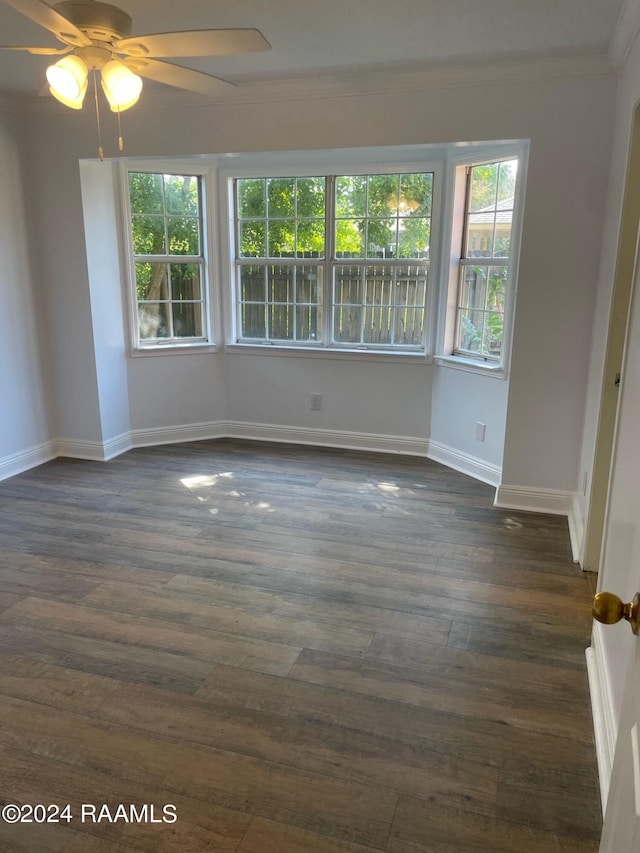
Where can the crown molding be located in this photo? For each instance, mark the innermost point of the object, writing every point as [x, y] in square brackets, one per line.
[375, 81]
[625, 34]
[406, 79]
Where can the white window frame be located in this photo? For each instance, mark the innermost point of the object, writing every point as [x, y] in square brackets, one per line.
[455, 215]
[211, 325]
[322, 164]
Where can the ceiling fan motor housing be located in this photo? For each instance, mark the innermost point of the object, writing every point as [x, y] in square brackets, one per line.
[100, 21]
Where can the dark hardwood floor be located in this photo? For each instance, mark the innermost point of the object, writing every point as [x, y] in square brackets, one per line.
[302, 650]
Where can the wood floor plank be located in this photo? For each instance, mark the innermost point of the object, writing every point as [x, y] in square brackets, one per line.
[424, 827]
[437, 690]
[343, 610]
[53, 686]
[149, 666]
[139, 631]
[182, 609]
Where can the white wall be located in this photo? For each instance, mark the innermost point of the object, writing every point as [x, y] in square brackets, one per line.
[101, 227]
[25, 431]
[56, 223]
[568, 120]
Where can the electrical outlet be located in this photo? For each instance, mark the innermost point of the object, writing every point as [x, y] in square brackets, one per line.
[480, 431]
[316, 402]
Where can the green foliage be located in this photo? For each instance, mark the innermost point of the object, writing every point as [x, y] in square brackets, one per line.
[377, 216]
[281, 217]
[165, 214]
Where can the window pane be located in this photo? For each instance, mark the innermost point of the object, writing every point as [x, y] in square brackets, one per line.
[377, 325]
[493, 333]
[381, 238]
[148, 235]
[184, 236]
[480, 235]
[185, 281]
[280, 197]
[308, 284]
[280, 285]
[502, 239]
[474, 287]
[496, 288]
[310, 238]
[351, 196]
[187, 320]
[415, 195]
[153, 320]
[414, 234]
[350, 238]
[253, 321]
[484, 185]
[411, 286]
[470, 332]
[348, 285]
[282, 235]
[307, 322]
[347, 324]
[252, 284]
[181, 194]
[145, 193]
[152, 281]
[378, 288]
[409, 325]
[310, 197]
[383, 195]
[508, 171]
[253, 239]
[251, 198]
[280, 322]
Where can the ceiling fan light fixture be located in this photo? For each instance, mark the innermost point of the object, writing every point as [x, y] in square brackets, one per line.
[121, 86]
[68, 81]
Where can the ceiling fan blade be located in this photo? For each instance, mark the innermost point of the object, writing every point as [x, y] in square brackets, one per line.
[178, 76]
[51, 20]
[195, 43]
[39, 51]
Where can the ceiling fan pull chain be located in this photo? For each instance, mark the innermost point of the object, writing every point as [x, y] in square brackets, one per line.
[95, 95]
[120, 139]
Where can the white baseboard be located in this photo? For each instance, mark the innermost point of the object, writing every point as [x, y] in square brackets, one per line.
[177, 434]
[328, 438]
[604, 725]
[94, 451]
[16, 463]
[405, 445]
[552, 501]
[463, 462]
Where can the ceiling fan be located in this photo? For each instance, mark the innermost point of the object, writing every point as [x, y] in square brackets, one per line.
[97, 37]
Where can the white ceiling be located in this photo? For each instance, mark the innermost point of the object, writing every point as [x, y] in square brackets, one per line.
[311, 37]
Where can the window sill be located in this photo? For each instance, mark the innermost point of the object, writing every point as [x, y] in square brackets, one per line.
[174, 349]
[326, 353]
[497, 371]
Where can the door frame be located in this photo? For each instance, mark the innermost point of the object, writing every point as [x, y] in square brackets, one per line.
[618, 316]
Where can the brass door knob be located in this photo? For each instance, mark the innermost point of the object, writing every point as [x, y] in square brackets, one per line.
[609, 609]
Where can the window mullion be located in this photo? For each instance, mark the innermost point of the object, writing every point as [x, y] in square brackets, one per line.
[330, 261]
